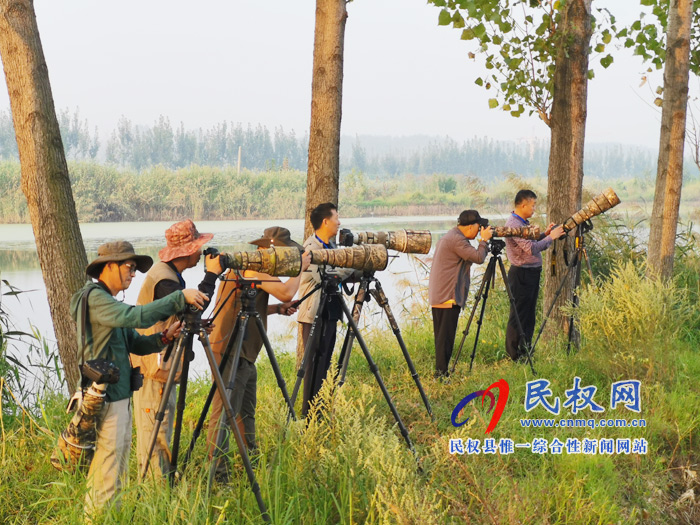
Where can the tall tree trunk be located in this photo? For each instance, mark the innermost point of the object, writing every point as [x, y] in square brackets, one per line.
[326, 106]
[669, 174]
[45, 180]
[568, 123]
[323, 175]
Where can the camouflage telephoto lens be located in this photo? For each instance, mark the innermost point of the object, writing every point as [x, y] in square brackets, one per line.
[278, 261]
[597, 205]
[526, 232]
[367, 258]
[405, 241]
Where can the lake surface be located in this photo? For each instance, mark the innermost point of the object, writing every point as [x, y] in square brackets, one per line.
[403, 281]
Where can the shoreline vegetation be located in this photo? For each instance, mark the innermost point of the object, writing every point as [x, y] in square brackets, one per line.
[106, 193]
[351, 465]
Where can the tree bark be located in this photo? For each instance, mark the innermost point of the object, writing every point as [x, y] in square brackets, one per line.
[323, 175]
[326, 106]
[45, 180]
[568, 124]
[669, 174]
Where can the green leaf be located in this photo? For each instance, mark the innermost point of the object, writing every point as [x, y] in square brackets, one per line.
[497, 39]
[493, 103]
[479, 81]
[647, 2]
[607, 37]
[591, 74]
[468, 34]
[637, 25]
[444, 18]
[479, 31]
[600, 48]
[659, 90]
[606, 61]
[458, 21]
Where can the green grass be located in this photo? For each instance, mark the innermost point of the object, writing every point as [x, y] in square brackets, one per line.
[350, 464]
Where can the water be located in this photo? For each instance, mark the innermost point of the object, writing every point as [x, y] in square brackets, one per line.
[19, 265]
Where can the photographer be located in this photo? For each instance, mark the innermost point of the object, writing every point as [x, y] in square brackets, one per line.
[244, 394]
[525, 271]
[183, 251]
[325, 222]
[109, 334]
[449, 280]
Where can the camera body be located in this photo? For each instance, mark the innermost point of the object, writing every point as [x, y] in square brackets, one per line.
[135, 379]
[99, 371]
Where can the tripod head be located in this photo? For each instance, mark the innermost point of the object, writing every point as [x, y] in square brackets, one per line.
[496, 246]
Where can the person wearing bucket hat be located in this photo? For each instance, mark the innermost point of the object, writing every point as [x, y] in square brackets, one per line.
[448, 284]
[183, 251]
[243, 397]
[525, 271]
[106, 330]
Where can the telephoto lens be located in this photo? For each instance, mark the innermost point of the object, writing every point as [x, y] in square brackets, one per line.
[278, 261]
[367, 258]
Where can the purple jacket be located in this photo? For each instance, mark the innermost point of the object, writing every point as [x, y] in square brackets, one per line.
[524, 252]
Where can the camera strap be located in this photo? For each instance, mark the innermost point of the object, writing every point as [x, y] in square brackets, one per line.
[84, 319]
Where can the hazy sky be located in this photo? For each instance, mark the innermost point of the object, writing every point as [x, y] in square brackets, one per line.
[250, 61]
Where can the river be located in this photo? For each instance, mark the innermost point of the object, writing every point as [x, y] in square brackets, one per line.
[403, 280]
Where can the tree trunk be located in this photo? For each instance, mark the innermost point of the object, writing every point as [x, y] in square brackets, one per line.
[45, 180]
[326, 106]
[568, 123]
[669, 174]
[323, 175]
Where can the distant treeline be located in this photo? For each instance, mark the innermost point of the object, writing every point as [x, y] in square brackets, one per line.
[109, 194]
[138, 147]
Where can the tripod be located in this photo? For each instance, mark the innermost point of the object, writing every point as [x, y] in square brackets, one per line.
[364, 294]
[330, 287]
[183, 346]
[573, 265]
[489, 279]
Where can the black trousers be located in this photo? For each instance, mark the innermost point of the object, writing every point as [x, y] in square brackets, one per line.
[316, 368]
[525, 285]
[445, 327]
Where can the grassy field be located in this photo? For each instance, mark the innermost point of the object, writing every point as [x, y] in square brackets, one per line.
[350, 464]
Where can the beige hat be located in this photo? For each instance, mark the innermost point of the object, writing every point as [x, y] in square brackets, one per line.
[117, 251]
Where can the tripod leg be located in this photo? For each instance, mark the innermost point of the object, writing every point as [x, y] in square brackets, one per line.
[315, 328]
[375, 370]
[160, 414]
[344, 358]
[210, 397]
[219, 382]
[573, 336]
[489, 277]
[229, 384]
[469, 322]
[382, 301]
[521, 332]
[554, 301]
[180, 409]
[275, 366]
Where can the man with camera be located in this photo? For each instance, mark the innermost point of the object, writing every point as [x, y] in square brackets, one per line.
[183, 251]
[525, 271]
[106, 331]
[244, 394]
[325, 222]
[449, 280]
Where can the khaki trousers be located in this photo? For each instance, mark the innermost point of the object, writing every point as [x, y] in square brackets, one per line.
[146, 402]
[109, 467]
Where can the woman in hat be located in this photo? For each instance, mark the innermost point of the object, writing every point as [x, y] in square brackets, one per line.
[109, 333]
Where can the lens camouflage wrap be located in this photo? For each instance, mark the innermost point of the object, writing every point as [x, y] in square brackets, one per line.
[367, 257]
[597, 205]
[76, 444]
[406, 241]
[526, 232]
[279, 261]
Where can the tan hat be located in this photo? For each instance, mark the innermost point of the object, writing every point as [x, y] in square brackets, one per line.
[117, 251]
[276, 236]
[183, 239]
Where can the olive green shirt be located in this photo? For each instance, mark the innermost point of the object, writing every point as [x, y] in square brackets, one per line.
[110, 330]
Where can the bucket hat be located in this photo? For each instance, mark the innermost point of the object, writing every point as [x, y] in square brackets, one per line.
[183, 239]
[276, 236]
[117, 251]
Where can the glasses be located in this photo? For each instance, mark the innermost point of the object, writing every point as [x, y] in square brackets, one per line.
[131, 267]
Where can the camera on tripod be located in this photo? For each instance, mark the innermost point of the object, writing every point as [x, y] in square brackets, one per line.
[405, 241]
[276, 260]
[597, 205]
[496, 246]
